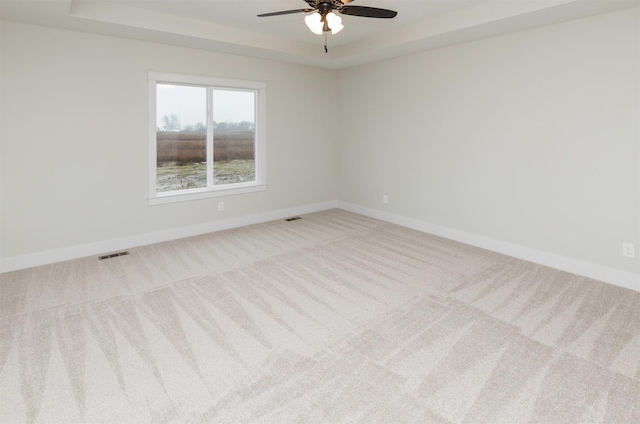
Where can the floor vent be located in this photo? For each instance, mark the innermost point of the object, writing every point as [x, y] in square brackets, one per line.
[112, 255]
[295, 218]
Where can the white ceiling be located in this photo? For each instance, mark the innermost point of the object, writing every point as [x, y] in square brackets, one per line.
[232, 25]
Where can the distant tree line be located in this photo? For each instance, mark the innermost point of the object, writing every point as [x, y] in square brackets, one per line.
[171, 123]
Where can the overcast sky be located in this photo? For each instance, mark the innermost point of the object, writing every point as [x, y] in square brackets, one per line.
[190, 104]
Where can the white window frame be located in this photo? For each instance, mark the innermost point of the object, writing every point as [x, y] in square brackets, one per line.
[260, 140]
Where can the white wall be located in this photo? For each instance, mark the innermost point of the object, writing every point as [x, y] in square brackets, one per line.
[74, 138]
[530, 138]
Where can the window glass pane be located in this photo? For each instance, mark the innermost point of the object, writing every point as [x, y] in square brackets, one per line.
[181, 137]
[233, 136]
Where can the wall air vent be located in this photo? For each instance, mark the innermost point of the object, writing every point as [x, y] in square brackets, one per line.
[295, 218]
[112, 255]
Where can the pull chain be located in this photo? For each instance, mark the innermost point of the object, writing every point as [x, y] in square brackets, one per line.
[326, 50]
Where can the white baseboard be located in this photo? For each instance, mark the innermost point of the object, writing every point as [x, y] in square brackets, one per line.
[598, 272]
[617, 277]
[90, 249]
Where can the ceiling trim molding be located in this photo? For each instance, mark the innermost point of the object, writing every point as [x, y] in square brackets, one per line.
[486, 19]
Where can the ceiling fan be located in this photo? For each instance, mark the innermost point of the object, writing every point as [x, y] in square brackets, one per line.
[323, 19]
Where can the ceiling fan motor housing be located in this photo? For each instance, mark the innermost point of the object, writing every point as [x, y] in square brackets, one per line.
[324, 7]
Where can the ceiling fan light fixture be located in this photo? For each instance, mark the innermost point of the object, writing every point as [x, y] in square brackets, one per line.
[323, 19]
[335, 22]
[314, 22]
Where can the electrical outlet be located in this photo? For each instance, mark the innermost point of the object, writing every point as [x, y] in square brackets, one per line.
[628, 250]
[385, 199]
[220, 206]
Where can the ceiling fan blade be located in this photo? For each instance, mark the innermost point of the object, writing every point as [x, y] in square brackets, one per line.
[368, 12]
[285, 12]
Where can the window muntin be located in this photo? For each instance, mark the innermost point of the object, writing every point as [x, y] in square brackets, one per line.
[206, 137]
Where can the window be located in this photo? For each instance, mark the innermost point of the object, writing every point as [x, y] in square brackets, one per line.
[206, 137]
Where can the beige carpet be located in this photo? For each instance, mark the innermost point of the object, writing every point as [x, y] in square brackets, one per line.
[330, 319]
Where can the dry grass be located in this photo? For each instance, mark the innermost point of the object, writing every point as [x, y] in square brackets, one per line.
[190, 148]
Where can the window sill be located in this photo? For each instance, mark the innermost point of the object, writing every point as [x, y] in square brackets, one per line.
[197, 194]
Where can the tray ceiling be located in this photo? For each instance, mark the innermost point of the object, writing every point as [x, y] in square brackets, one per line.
[231, 26]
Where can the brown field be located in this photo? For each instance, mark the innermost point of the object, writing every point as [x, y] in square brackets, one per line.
[190, 148]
